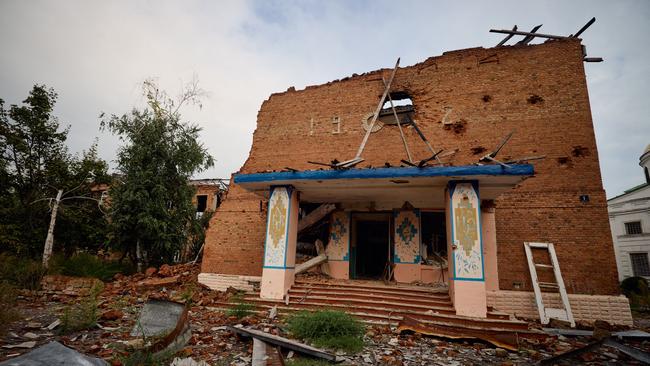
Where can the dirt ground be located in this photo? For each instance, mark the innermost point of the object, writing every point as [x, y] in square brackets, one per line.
[121, 300]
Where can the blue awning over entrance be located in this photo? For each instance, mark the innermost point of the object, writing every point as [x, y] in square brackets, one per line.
[373, 184]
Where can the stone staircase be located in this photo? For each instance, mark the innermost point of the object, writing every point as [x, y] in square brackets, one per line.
[379, 304]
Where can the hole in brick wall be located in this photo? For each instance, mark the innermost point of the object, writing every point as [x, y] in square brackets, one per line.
[486, 98]
[564, 161]
[580, 151]
[458, 127]
[478, 150]
[400, 99]
[534, 99]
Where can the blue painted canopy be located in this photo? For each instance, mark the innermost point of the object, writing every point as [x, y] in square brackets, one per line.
[467, 172]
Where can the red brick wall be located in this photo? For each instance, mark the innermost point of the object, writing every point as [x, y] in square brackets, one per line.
[489, 92]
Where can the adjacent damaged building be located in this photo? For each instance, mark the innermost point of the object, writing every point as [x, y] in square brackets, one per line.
[403, 211]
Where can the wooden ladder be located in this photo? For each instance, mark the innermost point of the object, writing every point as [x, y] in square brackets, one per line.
[546, 313]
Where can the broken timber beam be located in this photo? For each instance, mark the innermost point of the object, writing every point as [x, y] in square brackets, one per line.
[283, 342]
[503, 41]
[584, 28]
[507, 339]
[399, 125]
[302, 267]
[315, 216]
[531, 36]
[542, 35]
[377, 110]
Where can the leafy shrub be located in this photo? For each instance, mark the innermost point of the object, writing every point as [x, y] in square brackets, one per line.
[328, 328]
[636, 289]
[21, 272]
[82, 315]
[8, 311]
[88, 265]
[240, 309]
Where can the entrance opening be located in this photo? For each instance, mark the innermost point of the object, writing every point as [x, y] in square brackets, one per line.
[434, 236]
[201, 202]
[370, 245]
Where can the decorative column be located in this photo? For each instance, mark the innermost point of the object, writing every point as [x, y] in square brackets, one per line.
[407, 239]
[280, 244]
[338, 248]
[467, 284]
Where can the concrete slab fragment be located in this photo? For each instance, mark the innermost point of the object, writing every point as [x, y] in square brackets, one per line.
[158, 318]
[54, 354]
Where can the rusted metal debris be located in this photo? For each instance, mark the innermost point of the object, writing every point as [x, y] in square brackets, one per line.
[504, 338]
[283, 342]
[634, 353]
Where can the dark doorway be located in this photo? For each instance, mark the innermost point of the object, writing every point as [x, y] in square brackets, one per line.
[371, 243]
[434, 234]
[201, 202]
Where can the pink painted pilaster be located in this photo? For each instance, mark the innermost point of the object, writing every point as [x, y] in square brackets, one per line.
[489, 232]
[280, 243]
[467, 282]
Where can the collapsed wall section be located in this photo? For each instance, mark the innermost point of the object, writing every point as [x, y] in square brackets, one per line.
[467, 100]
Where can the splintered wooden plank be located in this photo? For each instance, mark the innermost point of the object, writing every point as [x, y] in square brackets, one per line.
[315, 216]
[283, 342]
[377, 110]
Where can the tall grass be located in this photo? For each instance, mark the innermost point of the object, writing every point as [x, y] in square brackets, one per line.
[25, 273]
[8, 311]
[88, 265]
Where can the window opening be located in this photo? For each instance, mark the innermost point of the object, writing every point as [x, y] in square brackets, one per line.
[201, 203]
[640, 265]
[632, 228]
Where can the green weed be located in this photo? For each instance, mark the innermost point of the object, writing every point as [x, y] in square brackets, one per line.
[240, 309]
[328, 328]
[82, 315]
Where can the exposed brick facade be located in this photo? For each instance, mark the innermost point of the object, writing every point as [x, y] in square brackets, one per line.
[539, 91]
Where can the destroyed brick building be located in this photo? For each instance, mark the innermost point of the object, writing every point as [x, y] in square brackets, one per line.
[405, 215]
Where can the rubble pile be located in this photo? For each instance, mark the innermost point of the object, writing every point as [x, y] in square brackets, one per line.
[121, 301]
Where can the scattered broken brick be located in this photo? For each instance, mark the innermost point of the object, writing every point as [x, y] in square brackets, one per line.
[150, 272]
[153, 282]
[112, 315]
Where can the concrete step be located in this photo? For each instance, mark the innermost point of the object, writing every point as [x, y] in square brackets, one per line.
[372, 285]
[343, 304]
[355, 294]
[350, 301]
[402, 293]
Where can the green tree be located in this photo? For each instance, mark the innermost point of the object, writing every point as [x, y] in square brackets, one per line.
[34, 164]
[152, 212]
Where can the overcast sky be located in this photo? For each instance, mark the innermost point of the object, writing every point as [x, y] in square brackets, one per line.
[95, 54]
